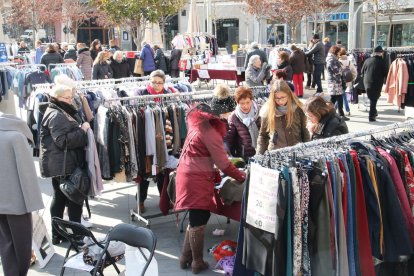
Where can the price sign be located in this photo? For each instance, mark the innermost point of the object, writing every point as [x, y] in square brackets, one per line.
[261, 206]
[3, 52]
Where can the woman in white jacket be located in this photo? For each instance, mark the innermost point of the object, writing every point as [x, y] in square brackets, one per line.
[347, 62]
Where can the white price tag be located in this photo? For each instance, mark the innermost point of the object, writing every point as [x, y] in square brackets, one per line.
[261, 206]
[154, 169]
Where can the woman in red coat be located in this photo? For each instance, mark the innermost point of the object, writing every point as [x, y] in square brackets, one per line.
[196, 175]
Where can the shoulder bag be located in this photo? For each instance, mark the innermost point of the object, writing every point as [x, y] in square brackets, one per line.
[76, 186]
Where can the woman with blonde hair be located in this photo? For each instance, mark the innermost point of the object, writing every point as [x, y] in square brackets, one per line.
[101, 68]
[283, 120]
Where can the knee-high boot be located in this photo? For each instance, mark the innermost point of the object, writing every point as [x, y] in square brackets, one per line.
[197, 247]
[186, 257]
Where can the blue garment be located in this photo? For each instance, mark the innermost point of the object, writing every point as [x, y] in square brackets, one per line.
[349, 221]
[317, 72]
[39, 52]
[147, 57]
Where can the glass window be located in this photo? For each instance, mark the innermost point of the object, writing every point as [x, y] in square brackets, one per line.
[382, 32]
[407, 35]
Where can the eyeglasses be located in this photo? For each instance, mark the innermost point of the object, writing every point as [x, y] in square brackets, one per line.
[68, 98]
[157, 83]
[281, 99]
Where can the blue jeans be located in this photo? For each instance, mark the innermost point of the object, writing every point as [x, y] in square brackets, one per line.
[318, 68]
[346, 104]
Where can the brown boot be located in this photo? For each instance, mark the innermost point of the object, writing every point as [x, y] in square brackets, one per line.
[141, 207]
[186, 257]
[197, 247]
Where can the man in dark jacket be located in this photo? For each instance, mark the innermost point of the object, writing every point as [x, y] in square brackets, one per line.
[374, 71]
[255, 51]
[318, 52]
[71, 53]
[174, 60]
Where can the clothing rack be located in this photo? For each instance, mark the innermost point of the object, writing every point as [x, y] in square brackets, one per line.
[33, 66]
[169, 95]
[5, 64]
[61, 65]
[344, 137]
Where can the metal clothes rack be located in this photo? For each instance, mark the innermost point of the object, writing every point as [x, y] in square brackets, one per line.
[32, 66]
[344, 137]
[55, 65]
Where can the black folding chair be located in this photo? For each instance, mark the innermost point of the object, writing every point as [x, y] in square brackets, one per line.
[134, 236]
[75, 233]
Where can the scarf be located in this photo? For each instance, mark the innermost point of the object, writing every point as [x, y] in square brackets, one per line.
[282, 109]
[249, 120]
[68, 108]
[152, 91]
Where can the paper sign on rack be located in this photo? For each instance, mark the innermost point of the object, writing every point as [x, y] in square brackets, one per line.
[261, 206]
[203, 74]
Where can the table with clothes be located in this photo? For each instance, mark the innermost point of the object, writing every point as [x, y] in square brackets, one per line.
[217, 75]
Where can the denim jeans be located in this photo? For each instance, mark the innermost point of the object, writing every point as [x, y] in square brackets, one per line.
[317, 77]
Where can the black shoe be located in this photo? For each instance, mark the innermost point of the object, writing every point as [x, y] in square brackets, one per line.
[56, 240]
[345, 118]
[376, 115]
[372, 120]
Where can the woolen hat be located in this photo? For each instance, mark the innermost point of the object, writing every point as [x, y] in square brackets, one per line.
[378, 49]
[222, 106]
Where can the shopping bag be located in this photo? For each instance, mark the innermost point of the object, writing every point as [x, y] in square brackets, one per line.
[134, 262]
[138, 67]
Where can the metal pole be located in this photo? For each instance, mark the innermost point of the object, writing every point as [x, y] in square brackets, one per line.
[355, 17]
[351, 26]
[33, 23]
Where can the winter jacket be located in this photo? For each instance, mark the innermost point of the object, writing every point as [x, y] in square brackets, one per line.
[297, 61]
[256, 51]
[397, 82]
[374, 72]
[70, 54]
[120, 69]
[255, 76]
[334, 68]
[283, 136]
[102, 71]
[330, 125]
[159, 59]
[58, 130]
[85, 62]
[20, 191]
[147, 57]
[175, 58]
[348, 63]
[318, 52]
[238, 139]
[196, 173]
[287, 68]
[51, 57]
[94, 54]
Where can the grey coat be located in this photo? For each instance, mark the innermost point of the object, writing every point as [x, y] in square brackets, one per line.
[20, 193]
[84, 62]
[318, 52]
[254, 76]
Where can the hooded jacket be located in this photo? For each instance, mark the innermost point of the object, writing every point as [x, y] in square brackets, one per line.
[196, 173]
[20, 192]
[283, 136]
[147, 57]
[84, 62]
[330, 125]
[238, 139]
[58, 130]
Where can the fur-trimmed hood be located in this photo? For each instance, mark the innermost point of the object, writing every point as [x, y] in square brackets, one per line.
[200, 119]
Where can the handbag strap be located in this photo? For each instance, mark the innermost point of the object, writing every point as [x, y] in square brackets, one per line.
[64, 160]
[186, 147]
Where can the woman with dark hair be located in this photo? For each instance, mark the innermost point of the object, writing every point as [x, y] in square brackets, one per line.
[95, 48]
[203, 150]
[283, 120]
[284, 65]
[51, 56]
[244, 125]
[323, 121]
[335, 82]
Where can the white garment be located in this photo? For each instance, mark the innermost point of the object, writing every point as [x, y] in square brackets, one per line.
[100, 118]
[150, 133]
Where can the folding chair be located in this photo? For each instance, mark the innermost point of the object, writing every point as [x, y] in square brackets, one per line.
[134, 236]
[75, 233]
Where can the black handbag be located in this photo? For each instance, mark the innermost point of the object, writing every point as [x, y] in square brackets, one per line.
[76, 186]
[359, 83]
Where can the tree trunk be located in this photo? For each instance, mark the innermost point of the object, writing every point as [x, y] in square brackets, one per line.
[376, 23]
[293, 36]
[164, 41]
[315, 25]
[389, 44]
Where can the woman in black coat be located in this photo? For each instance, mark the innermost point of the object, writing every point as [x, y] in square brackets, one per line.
[51, 56]
[323, 121]
[159, 59]
[101, 69]
[119, 66]
[244, 125]
[60, 131]
[174, 60]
